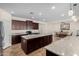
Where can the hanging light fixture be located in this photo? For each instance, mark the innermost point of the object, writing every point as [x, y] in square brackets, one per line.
[74, 17]
[70, 12]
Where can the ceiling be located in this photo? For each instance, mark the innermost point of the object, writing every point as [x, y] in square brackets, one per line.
[40, 11]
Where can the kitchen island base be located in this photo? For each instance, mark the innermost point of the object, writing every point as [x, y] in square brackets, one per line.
[32, 44]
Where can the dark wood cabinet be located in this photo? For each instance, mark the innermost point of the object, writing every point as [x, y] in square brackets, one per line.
[35, 26]
[32, 25]
[16, 39]
[18, 25]
[23, 25]
[29, 24]
[30, 45]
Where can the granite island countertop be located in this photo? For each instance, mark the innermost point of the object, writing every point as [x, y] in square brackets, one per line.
[31, 36]
[68, 46]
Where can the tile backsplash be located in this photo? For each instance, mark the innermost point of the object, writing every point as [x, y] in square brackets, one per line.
[24, 31]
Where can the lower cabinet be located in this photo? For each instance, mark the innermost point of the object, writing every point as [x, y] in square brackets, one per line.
[30, 45]
[16, 39]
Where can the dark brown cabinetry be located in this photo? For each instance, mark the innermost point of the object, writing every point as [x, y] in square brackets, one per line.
[32, 25]
[16, 39]
[23, 25]
[29, 24]
[18, 25]
[35, 26]
[31, 45]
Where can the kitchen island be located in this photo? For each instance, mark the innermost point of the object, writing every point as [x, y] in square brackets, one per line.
[68, 46]
[30, 43]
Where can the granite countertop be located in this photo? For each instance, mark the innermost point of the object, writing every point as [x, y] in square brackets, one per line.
[18, 33]
[68, 46]
[34, 36]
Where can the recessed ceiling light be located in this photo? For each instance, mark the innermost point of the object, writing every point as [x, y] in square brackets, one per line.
[12, 12]
[53, 7]
[40, 13]
[62, 15]
[33, 17]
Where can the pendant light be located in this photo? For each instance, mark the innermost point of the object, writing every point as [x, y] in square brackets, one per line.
[74, 18]
[70, 12]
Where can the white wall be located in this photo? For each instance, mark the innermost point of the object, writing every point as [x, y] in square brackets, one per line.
[54, 26]
[49, 27]
[6, 19]
[74, 27]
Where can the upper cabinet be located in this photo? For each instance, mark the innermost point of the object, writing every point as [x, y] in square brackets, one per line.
[18, 25]
[24, 25]
[32, 25]
[29, 24]
[35, 25]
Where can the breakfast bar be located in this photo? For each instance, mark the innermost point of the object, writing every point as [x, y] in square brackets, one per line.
[68, 46]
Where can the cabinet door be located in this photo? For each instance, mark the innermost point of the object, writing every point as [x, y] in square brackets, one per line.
[33, 44]
[35, 26]
[32, 25]
[16, 39]
[18, 25]
[29, 24]
[50, 39]
[24, 45]
[46, 40]
[42, 41]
